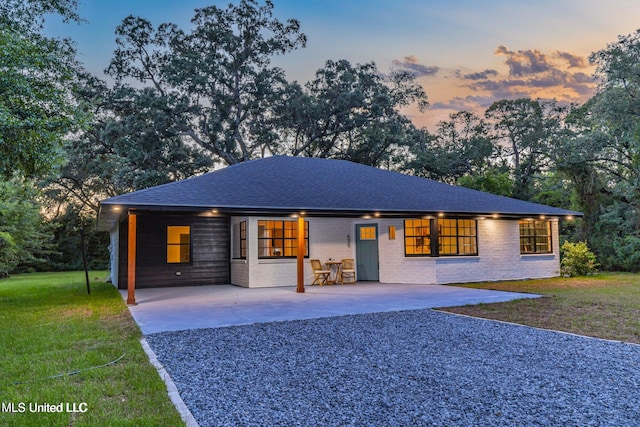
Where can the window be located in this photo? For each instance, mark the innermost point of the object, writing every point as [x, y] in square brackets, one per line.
[535, 237]
[392, 232]
[243, 239]
[279, 239]
[417, 237]
[457, 237]
[368, 233]
[453, 236]
[178, 244]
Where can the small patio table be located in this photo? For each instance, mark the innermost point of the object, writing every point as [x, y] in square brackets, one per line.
[336, 272]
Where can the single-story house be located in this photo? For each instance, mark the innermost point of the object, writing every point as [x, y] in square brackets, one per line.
[239, 225]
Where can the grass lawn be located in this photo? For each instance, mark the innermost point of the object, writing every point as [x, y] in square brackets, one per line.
[50, 326]
[605, 305]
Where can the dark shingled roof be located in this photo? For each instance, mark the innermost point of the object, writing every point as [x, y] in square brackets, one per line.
[282, 184]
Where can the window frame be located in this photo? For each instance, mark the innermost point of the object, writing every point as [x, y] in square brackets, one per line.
[292, 240]
[535, 238]
[437, 236]
[242, 240]
[179, 244]
[413, 235]
[457, 236]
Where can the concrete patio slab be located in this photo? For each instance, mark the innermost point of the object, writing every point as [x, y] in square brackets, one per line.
[173, 309]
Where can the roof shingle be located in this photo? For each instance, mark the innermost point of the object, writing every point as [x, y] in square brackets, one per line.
[281, 183]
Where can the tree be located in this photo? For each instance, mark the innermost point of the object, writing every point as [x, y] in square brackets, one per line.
[129, 145]
[36, 107]
[215, 83]
[350, 112]
[461, 147]
[603, 155]
[24, 236]
[527, 129]
[28, 15]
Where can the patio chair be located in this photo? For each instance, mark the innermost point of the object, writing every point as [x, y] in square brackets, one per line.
[348, 271]
[321, 275]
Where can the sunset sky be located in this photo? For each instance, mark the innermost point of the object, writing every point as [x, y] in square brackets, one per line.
[466, 54]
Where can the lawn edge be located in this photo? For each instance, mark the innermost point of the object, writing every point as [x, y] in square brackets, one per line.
[444, 310]
[172, 390]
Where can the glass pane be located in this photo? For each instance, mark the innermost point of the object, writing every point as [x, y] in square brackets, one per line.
[178, 234]
[178, 254]
[367, 233]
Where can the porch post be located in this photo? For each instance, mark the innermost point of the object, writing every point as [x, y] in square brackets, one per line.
[300, 257]
[131, 260]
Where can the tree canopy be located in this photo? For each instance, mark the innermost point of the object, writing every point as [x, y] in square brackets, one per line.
[36, 75]
[215, 83]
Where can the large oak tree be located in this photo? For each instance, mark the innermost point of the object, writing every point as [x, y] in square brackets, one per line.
[214, 84]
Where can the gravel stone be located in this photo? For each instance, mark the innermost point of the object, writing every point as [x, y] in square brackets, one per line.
[408, 368]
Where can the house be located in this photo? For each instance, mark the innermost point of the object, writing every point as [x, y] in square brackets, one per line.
[239, 225]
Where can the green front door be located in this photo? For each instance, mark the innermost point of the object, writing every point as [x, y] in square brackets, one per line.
[367, 251]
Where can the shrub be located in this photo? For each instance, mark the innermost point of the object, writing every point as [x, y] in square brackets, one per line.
[577, 260]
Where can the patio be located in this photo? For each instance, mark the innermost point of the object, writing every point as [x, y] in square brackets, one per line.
[182, 308]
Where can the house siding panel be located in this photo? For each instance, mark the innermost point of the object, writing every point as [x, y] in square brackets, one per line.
[209, 252]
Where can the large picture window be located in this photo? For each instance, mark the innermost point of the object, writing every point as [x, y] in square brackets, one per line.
[457, 237]
[178, 244]
[279, 239]
[441, 237]
[535, 237]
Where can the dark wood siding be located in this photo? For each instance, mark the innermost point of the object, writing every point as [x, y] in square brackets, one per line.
[209, 252]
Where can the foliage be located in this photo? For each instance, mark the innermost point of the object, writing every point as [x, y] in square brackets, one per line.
[492, 180]
[528, 128]
[350, 112]
[461, 148]
[28, 15]
[25, 239]
[129, 146]
[36, 107]
[577, 259]
[214, 84]
[68, 226]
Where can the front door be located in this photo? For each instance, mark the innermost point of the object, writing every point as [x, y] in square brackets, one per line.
[367, 251]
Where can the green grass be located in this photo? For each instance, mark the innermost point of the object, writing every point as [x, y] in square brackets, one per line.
[605, 305]
[50, 326]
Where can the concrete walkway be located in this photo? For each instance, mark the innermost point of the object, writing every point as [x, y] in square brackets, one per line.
[173, 309]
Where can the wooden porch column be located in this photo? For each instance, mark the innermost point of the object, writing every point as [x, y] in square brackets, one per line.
[300, 257]
[131, 261]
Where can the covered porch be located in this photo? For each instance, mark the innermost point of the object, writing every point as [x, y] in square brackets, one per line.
[172, 309]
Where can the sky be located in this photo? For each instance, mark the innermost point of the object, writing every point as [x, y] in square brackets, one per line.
[466, 54]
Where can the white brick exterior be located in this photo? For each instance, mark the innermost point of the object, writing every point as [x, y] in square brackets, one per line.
[498, 256]
[328, 238]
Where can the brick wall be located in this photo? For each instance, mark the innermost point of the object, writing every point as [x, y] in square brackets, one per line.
[498, 257]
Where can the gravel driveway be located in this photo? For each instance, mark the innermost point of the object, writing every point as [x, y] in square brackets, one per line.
[410, 368]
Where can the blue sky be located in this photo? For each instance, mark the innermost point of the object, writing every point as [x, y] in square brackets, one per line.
[465, 53]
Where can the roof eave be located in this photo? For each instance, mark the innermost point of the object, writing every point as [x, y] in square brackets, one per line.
[110, 213]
